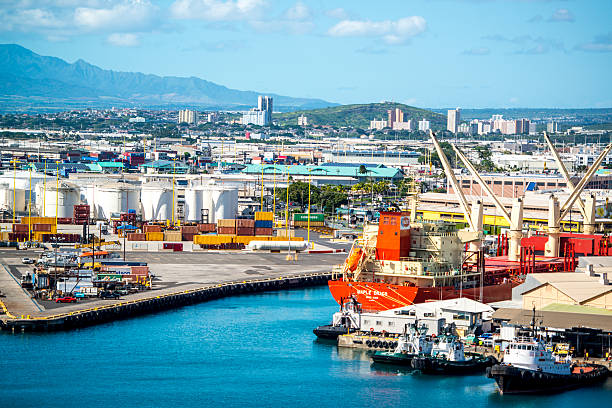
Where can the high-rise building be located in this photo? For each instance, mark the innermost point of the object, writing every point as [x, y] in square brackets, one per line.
[403, 125]
[522, 126]
[188, 116]
[464, 128]
[453, 120]
[532, 128]
[378, 124]
[424, 125]
[264, 103]
[394, 115]
[302, 120]
[551, 127]
[255, 117]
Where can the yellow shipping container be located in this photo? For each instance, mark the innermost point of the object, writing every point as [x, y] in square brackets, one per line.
[226, 223]
[4, 235]
[264, 216]
[173, 236]
[38, 220]
[155, 236]
[213, 239]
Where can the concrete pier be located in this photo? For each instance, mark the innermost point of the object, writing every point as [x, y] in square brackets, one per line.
[181, 279]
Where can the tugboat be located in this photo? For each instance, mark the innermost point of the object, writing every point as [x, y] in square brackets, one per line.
[343, 321]
[411, 344]
[448, 357]
[529, 367]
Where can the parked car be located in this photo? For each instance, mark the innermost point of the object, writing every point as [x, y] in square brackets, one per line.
[66, 299]
[27, 261]
[107, 294]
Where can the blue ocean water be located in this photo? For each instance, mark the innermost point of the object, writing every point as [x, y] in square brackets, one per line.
[245, 351]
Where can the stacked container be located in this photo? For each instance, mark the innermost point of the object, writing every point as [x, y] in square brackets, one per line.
[80, 213]
[188, 232]
[245, 227]
[226, 227]
[151, 228]
[134, 236]
[263, 223]
[210, 227]
[155, 236]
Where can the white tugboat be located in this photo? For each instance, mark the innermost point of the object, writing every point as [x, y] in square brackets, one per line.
[529, 367]
[448, 357]
[413, 343]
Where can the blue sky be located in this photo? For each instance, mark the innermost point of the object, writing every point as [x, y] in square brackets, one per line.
[428, 53]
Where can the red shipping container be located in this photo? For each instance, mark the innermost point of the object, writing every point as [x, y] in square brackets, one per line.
[189, 229]
[64, 221]
[178, 247]
[18, 236]
[20, 227]
[245, 231]
[245, 223]
[210, 227]
[187, 236]
[152, 228]
[264, 231]
[140, 270]
[41, 227]
[137, 237]
[226, 230]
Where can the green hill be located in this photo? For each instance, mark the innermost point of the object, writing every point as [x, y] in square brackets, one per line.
[359, 115]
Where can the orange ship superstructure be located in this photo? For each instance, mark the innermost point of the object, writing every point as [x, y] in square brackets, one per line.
[402, 261]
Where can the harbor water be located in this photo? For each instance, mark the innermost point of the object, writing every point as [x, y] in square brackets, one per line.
[251, 350]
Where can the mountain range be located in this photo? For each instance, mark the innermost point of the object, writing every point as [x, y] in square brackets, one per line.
[29, 81]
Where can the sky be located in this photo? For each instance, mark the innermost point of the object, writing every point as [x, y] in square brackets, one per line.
[426, 53]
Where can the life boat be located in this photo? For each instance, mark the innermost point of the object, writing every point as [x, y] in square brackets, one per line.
[353, 259]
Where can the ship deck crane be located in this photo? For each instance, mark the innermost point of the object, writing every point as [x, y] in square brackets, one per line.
[556, 214]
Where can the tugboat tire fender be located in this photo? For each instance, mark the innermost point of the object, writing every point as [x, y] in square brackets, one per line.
[368, 343]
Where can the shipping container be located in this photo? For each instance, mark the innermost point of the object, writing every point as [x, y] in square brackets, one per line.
[136, 236]
[189, 229]
[42, 227]
[245, 223]
[188, 236]
[264, 216]
[263, 231]
[38, 220]
[306, 224]
[263, 224]
[213, 239]
[151, 228]
[61, 238]
[226, 223]
[245, 231]
[172, 236]
[226, 230]
[210, 227]
[20, 228]
[313, 217]
[155, 236]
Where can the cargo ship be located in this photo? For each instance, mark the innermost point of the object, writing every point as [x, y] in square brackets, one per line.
[402, 261]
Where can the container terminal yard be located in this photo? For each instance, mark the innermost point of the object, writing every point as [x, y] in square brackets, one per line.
[82, 246]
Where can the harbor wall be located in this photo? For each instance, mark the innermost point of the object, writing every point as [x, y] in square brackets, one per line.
[156, 303]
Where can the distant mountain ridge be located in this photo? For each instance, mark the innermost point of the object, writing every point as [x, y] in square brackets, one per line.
[30, 79]
[360, 115]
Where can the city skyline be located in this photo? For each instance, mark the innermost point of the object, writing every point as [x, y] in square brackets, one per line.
[439, 53]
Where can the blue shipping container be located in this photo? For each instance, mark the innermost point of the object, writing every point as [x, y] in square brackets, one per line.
[263, 224]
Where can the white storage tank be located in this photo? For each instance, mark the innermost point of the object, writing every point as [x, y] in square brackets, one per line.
[67, 195]
[220, 201]
[194, 202]
[115, 198]
[156, 200]
[7, 196]
[20, 179]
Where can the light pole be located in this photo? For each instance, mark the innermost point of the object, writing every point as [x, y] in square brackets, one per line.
[287, 208]
[56, 192]
[261, 207]
[30, 208]
[274, 195]
[14, 188]
[173, 182]
[309, 182]
[45, 192]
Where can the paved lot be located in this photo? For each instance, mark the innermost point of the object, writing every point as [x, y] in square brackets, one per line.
[173, 271]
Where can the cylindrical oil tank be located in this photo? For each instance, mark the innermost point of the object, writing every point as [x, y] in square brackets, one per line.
[22, 179]
[156, 200]
[278, 245]
[221, 202]
[7, 195]
[115, 198]
[61, 201]
[194, 202]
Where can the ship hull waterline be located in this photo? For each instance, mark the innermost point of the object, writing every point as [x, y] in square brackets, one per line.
[376, 296]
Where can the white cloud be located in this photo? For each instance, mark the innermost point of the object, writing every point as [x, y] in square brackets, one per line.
[123, 40]
[562, 15]
[338, 13]
[217, 10]
[298, 12]
[392, 32]
[601, 43]
[477, 51]
[130, 15]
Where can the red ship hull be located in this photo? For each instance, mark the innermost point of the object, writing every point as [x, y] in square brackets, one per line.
[375, 296]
